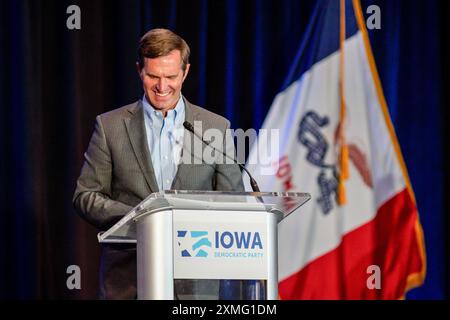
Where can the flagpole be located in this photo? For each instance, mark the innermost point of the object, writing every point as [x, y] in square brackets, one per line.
[343, 153]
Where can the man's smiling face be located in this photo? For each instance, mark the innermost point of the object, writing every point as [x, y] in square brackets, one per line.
[162, 79]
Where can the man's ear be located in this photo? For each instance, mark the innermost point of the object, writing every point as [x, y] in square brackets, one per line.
[138, 68]
[186, 71]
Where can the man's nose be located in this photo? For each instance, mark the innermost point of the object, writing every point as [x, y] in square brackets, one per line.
[162, 84]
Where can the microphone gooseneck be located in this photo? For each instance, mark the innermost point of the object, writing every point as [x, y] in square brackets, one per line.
[253, 183]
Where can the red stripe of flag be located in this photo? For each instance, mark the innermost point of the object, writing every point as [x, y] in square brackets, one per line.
[388, 241]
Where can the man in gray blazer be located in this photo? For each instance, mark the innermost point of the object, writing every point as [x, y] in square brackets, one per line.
[133, 152]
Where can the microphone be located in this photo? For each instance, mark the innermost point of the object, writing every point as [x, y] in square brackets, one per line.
[253, 183]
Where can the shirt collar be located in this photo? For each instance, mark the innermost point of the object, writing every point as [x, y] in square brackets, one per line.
[178, 111]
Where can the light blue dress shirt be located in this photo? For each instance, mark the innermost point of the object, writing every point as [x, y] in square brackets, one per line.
[165, 140]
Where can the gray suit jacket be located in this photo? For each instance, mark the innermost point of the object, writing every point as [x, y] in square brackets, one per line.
[118, 174]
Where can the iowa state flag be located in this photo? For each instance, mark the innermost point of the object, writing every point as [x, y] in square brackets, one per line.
[359, 237]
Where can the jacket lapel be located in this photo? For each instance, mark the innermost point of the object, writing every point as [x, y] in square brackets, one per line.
[138, 137]
[190, 114]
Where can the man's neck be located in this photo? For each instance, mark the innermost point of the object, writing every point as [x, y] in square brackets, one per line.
[165, 111]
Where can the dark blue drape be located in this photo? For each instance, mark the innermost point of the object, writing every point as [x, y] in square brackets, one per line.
[54, 81]
[407, 52]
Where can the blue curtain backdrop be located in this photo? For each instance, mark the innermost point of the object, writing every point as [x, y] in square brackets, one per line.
[54, 81]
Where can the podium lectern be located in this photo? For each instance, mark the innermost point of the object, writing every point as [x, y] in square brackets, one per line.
[205, 244]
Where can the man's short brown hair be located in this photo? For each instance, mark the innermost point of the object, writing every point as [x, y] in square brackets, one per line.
[160, 42]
